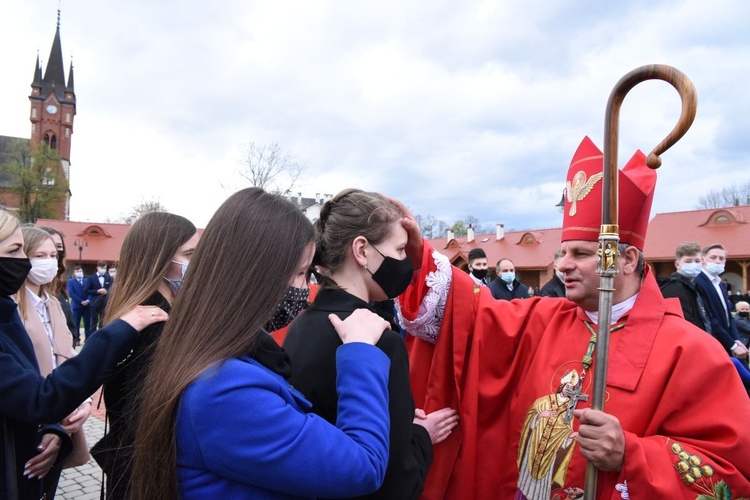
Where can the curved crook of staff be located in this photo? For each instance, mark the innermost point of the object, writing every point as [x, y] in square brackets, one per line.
[609, 236]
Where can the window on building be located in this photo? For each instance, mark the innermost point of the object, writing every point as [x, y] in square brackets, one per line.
[33, 112]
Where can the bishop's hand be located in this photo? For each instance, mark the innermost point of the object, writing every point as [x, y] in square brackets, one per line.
[601, 439]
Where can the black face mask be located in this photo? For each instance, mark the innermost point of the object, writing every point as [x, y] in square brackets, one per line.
[393, 275]
[479, 274]
[13, 273]
[294, 301]
[744, 314]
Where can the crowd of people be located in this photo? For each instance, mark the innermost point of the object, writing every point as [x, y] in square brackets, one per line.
[465, 391]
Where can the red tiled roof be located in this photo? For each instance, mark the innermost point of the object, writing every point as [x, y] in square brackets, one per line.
[527, 249]
[728, 226]
[101, 241]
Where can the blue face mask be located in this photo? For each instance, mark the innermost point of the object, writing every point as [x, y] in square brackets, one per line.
[175, 284]
[714, 269]
[690, 269]
[508, 277]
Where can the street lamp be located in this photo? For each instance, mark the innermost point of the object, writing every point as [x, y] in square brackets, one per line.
[80, 243]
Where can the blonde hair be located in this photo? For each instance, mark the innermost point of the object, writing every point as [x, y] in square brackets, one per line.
[8, 224]
[33, 237]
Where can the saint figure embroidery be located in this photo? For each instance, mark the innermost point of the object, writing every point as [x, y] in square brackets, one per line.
[547, 441]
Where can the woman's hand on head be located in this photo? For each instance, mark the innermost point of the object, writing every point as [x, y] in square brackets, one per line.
[362, 326]
[142, 316]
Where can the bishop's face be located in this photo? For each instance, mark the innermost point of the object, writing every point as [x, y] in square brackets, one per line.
[578, 265]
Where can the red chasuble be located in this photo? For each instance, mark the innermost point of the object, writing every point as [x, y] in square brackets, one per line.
[507, 366]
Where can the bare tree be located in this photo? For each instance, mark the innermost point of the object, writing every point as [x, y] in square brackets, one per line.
[728, 197]
[268, 167]
[142, 208]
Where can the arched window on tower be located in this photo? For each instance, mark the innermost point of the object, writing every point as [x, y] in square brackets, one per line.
[53, 142]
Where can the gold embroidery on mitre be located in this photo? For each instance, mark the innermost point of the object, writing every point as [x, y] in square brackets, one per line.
[580, 188]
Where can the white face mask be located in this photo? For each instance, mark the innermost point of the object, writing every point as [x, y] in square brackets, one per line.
[714, 269]
[42, 271]
[78, 274]
[690, 269]
[112, 273]
[101, 272]
[508, 277]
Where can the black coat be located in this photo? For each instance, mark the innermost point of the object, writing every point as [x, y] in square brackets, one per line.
[681, 287]
[122, 397]
[553, 288]
[500, 290]
[312, 342]
[723, 327]
[29, 400]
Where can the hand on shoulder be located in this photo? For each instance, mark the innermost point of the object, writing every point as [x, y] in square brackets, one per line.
[362, 326]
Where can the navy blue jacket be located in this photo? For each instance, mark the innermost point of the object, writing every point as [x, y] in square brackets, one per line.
[77, 293]
[500, 290]
[92, 285]
[29, 400]
[723, 326]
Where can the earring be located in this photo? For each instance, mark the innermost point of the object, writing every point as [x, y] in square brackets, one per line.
[365, 267]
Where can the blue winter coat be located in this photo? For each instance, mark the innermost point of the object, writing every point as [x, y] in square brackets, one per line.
[244, 432]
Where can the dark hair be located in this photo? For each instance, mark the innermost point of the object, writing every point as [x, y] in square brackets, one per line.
[101, 263]
[59, 285]
[349, 214]
[476, 253]
[146, 253]
[262, 234]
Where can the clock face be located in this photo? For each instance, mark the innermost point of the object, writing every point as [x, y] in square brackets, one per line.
[52, 109]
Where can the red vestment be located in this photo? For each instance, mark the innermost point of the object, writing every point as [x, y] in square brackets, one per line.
[671, 386]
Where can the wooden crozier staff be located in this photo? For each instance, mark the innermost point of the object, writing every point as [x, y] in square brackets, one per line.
[609, 234]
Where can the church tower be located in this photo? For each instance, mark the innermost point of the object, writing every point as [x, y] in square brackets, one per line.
[53, 108]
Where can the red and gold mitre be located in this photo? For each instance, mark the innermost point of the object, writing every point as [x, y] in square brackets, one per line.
[582, 217]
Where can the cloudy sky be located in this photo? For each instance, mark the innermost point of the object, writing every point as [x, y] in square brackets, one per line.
[457, 108]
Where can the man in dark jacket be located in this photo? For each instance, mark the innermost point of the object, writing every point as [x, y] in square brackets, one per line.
[680, 285]
[507, 287]
[554, 287]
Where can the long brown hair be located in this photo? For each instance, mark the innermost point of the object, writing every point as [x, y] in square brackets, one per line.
[349, 214]
[243, 263]
[33, 237]
[146, 253]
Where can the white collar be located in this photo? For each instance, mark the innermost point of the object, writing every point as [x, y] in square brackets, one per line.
[618, 310]
[37, 299]
[714, 279]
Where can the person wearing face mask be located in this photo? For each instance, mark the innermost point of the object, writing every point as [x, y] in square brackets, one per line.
[167, 242]
[714, 295]
[507, 287]
[35, 397]
[681, 285]
[58, 287]
[360, 248]
[743, 321]
[97, 288]
[45, 322]
[79, 302]
[478, 271]
[556, 286]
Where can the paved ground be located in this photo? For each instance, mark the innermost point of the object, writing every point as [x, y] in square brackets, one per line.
[85, 482]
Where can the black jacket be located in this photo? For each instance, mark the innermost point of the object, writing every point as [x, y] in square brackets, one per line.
[312, 342]
[683, 288]
[29, 400]
[553, 288]
[122, 396]
[500, 290]
[723, 327]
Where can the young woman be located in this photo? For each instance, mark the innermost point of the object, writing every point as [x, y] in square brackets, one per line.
[218, 419]
[31, 405]
[153, 260]
[45, 322]
[58, 287]
[361, 248]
